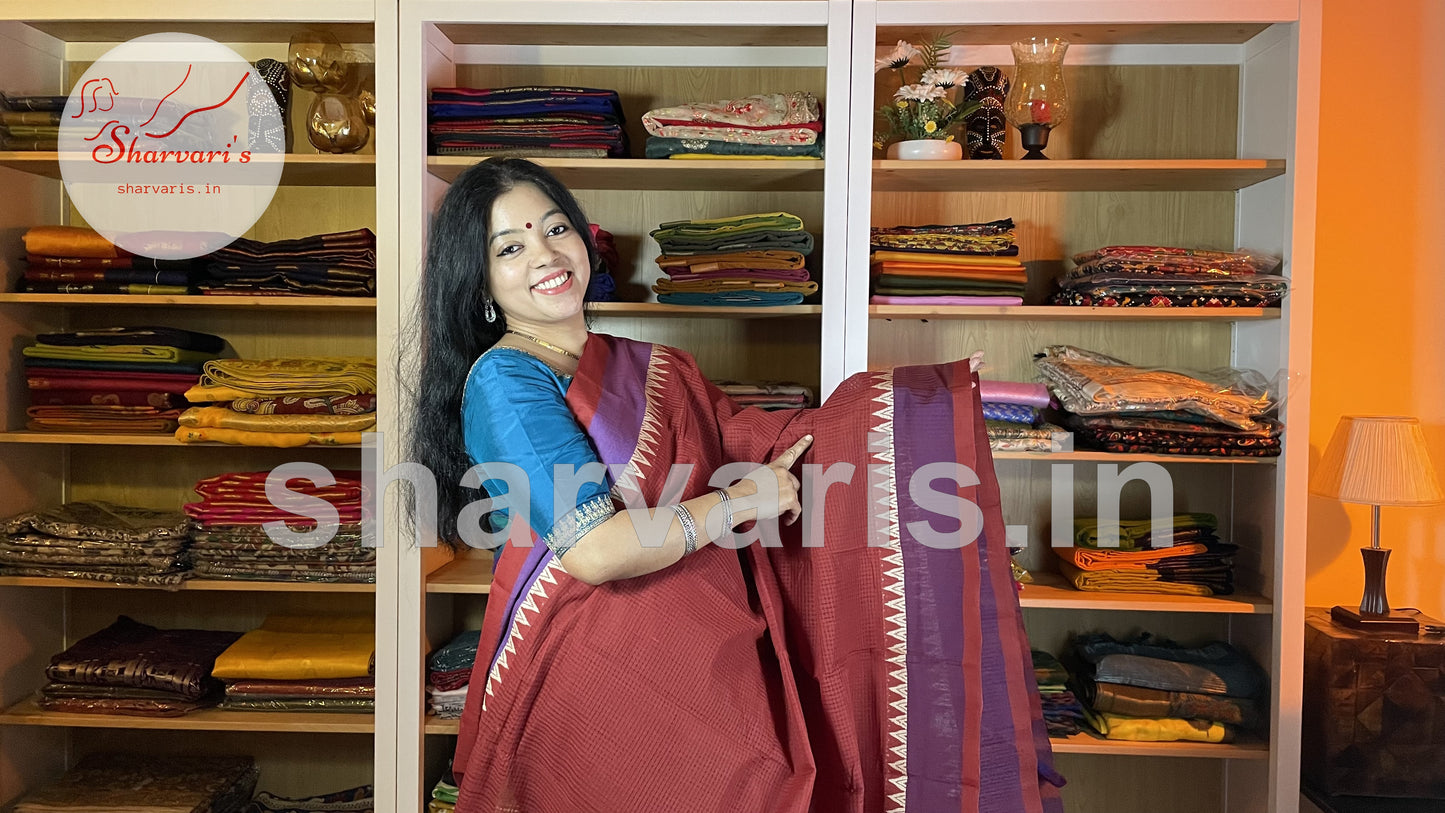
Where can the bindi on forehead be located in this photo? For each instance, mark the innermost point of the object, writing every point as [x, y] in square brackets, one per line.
[529, 225]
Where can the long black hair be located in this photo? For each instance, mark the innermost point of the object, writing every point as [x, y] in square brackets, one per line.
[449, 329]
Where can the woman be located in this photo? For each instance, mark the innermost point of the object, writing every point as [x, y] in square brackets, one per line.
[619, 674]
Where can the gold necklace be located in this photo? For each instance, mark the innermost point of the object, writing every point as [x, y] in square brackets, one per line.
[554, 348]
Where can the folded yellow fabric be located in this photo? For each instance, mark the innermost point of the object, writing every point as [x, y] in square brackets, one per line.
[713, 286]
[276, 440]
[768, 259]
[68, 241]
[943, 259]
[220, 417]
[229, 379]
[297, 648]
[1157, 729]
[1121, 581]
[117, 352]
[1104, 559]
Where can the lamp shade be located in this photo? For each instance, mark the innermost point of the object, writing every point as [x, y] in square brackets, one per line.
[1377, 460]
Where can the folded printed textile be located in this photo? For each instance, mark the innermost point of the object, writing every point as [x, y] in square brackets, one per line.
[1142, 441]
[748, 299]
[994, 237]
[1107, 290]
[347, 540]
[1013, 392]
[106, 381]
[334, 704]
[964, 301]
[226, 418]
[294, 647]
[35, 366]
[1157, 663]
[447, 704]
[1148, 580]
[116, 556]
[760, 110]
[124, 263]
[123, 288]
[252, 688]
[784, 134]
[1012, 437]
[459, 102]
[1173, 260]
[769, 395]
[356, 248]
[521, 121]
[1138, 701]
[508, 151]
[304, 405]
[229, 379]
[449, 681]
[131, 654]
[104, 418]
[1088, 383]
[1010, 413]
[659, 147]
[143, 783]
[131, 336]
[360, 799]
[716, 286]
[339, 264]
[123, 276]
[102, 573]
[56, 699]
[117, 352]
[102, 521]
[1158, 729]
[240, 498]
[458, 653]
[309, 572]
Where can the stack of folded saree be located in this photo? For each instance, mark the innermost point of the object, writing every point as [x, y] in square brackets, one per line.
[538, 121]
[444, 794]
[765, 126]
[123, 379]
[1187, 560]
[229, 542]
[144, 783]
[1117, 407]
[1063, 713]
[30, 123]
[336, 264]
[293, 663]
[282, 402]
[1011, 412]
[966, 264]
[134, 668]
[768, 394]
[747, 260]
[602, 285]
[1150, 690]
[98, 541]
[448, 672]
[360, 799]
[1168, 277]
[76, 260]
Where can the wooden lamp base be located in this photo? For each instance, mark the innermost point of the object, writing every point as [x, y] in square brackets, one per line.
[1389, 622]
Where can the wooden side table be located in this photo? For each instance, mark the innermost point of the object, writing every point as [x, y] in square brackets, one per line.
[1374, 716]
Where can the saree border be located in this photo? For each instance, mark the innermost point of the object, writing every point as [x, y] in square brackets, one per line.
[883, 483]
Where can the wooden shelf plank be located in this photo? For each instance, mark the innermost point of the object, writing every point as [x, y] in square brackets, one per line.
[437, 725]
[1062, 313]
[1050, 591]
[713, 36]
[469, 573]
[664, 311]
[1089, 744]
[301, 169]
[1167, 175]
[99, 439]
[891, 28]
[663, 174]
[346, 303]
[1088, 456]
[218, 585]
[28, 713]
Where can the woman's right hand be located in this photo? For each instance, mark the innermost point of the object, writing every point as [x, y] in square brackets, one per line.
[788, 505]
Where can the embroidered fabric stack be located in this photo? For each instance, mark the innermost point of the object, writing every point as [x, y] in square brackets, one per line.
[140, 783]
[30, 123]
[542, 121]
[293, 663]
[136, 669]
[769, 394]
[1063, 713]
[1168, 277]
[1118, 407]
[449, 670]
[1136, 557]
[764, 126]
[1153, 690]
[1012, 418]
[282, 402]
[360, 799]
[98, 541]
[602, 287]
[229, 542]
[336, 264]
[747, 260]
[966, 264]
[76, 260]
[120, 379]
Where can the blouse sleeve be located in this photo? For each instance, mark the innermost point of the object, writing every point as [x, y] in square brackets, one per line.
[514, 411]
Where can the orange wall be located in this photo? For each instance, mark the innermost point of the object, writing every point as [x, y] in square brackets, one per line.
[1379, 321]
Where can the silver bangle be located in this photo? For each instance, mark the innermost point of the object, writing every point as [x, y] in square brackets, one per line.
[689, 528]
[727, 508]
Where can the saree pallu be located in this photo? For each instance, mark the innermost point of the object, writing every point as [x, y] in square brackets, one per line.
[768, 679]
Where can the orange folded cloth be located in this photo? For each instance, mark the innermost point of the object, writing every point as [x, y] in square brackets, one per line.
[1092, 559]
[950, 271]
[760, 260]
[68, 241]
[938, 258]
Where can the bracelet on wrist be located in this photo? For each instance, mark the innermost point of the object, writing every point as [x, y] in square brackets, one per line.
[689, 528]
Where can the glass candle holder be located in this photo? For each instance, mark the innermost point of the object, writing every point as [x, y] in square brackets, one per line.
[336, 124]
[1037, 99]
[318, 63]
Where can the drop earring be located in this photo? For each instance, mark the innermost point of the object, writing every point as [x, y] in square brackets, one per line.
[489, 312]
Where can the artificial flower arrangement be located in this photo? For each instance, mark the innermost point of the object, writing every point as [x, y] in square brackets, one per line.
[922, 109]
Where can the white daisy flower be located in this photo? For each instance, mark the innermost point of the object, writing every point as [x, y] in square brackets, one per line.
[944, 77]
[920, 93]
[901, 55]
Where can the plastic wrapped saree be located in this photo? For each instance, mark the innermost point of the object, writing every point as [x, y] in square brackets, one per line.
[873, 673]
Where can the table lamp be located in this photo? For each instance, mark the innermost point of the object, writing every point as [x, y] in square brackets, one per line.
[1376, 460]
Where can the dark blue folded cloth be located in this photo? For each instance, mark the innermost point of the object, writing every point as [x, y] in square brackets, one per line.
[459, 653]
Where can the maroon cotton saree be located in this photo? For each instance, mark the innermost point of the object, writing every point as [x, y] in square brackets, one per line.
[873, 673]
